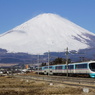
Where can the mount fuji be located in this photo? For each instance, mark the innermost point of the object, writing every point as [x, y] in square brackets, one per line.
[46, 32]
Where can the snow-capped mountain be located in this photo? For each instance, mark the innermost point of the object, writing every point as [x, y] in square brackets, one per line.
[46, 32]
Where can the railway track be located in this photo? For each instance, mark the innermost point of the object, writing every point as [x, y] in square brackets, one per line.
[72, 81]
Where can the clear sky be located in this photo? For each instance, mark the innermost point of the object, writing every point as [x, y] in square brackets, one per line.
[16, 12]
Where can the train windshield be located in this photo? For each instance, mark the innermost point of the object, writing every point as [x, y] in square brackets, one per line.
[92, 66]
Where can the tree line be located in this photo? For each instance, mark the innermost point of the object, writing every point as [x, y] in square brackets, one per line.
[57, 61]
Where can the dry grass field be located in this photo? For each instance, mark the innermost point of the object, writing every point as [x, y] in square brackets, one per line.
[18, 86]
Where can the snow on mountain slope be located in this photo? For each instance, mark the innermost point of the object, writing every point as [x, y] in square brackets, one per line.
[46, 32]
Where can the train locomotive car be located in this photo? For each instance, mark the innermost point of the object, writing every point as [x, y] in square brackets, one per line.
[86, 69]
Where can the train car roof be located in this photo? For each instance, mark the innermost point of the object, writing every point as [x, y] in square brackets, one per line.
[72, 63]
[83, 62]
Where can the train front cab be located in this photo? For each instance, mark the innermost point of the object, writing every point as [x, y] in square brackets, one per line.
[92, 69]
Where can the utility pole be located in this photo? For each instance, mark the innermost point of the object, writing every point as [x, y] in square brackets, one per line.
[67, 60]
[38, 63]
[48, 61]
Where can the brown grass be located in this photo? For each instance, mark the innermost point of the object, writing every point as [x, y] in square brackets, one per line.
[18, 86]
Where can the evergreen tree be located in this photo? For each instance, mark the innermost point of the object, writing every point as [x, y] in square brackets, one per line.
[60, 61]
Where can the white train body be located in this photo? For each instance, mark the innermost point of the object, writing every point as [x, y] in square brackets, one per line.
[74, 69]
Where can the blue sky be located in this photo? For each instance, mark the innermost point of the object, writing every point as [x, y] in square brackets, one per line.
[16, 12]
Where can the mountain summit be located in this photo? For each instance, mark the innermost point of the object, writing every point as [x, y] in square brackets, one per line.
[46, 32]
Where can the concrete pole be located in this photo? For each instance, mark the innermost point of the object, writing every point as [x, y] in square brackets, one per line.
[38, 63]
[67, 60]
[48, 61]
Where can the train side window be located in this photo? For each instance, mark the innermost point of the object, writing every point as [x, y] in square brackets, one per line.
[46, 67]
[85, 66]
[58, 67]
[65, 67]
[71, 67]
[50, 67]
[81, 66]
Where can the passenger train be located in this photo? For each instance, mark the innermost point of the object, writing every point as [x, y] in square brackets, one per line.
[86, 69]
